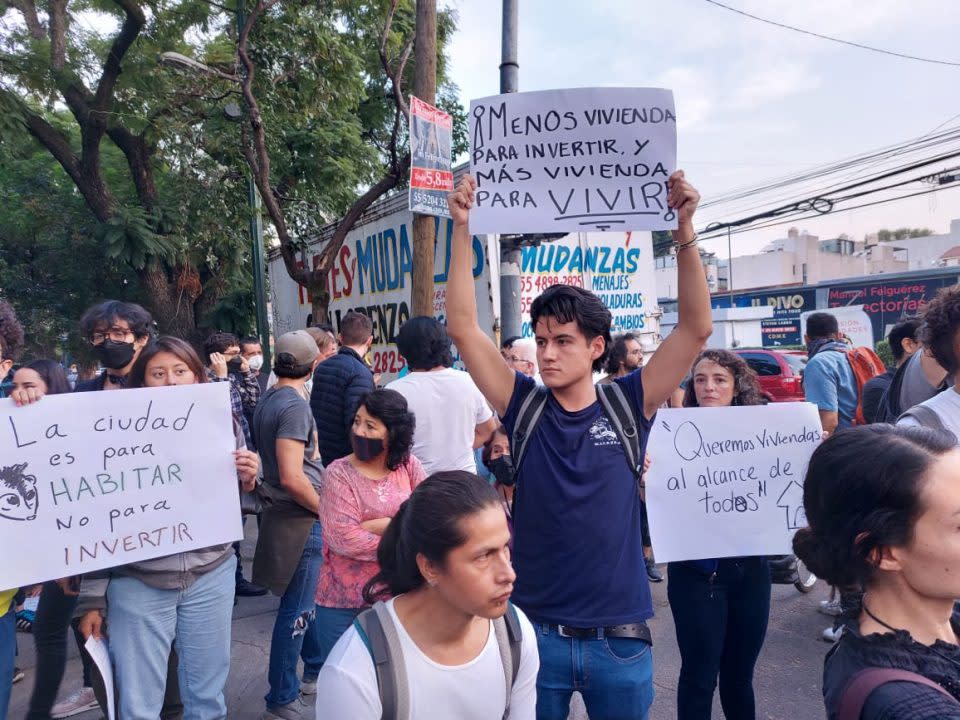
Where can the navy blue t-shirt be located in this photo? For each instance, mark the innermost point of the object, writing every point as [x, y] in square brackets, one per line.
[576, 549]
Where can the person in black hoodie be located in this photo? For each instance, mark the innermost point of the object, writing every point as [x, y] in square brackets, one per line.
[338, 384]
[891, 525]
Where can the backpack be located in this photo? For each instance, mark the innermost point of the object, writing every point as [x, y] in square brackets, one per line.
[379, 633]
[859, 687]
[866, 365]
[615, 405]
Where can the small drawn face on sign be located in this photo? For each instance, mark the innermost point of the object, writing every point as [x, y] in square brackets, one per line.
[18, 493]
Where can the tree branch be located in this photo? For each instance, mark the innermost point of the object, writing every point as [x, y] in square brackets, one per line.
[129, 31]
[58, 33]
[29, 11]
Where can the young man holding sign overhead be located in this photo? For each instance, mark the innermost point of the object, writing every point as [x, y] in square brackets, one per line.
[577, 550]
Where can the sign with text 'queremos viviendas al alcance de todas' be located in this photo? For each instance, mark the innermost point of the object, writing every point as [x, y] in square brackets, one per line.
[95, 480]
[577, 160]
[728, 482]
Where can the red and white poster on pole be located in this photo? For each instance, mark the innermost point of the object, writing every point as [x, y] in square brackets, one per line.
[431, 148]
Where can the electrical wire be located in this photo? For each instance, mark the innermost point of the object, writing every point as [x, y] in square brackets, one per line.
[718, 235]
[834, 39]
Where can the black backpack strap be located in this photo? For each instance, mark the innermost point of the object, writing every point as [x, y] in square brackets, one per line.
[531, 408]
[858, 689]
[618, 409]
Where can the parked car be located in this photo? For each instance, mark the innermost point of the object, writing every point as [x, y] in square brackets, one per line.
[780, 372]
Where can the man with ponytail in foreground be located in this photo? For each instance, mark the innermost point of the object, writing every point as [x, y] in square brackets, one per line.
[445, 559]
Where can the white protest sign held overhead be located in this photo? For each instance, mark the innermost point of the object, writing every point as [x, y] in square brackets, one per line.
[582, 160]
[728, 482]
[95, 480]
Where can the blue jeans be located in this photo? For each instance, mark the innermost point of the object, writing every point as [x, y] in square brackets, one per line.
[328, 625]
[143, 622]
[614, 676]
[721, 623]
[294, 632]
[8, 654]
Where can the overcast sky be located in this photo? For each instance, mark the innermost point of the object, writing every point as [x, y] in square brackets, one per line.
[753, 101]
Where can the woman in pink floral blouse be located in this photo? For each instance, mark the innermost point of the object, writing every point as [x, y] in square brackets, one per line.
[360, 494]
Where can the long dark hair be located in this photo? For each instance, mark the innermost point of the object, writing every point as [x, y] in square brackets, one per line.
[175, 346]
[390, 408]
[855, 506]
[52, 374]
[428, 523]
[746, 387]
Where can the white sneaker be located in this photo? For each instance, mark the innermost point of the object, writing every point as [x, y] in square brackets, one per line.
[830, 607]
[79, 702]
[831, 635]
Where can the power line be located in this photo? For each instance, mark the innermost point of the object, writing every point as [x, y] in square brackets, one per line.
[833, 39]
[792, 220]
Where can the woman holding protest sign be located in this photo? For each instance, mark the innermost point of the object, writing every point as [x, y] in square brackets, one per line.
[720, 606]
[889, 524]
[58, 597]
[361, 493]
[185, 598]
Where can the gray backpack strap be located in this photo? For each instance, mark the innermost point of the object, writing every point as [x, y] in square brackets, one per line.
[926, 417]
[619, 411]
[531, 408]
[379, 634]
[509, 639]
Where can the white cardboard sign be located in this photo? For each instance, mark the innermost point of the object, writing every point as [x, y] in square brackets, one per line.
[581, 160]
[95, 480]
[728, 482]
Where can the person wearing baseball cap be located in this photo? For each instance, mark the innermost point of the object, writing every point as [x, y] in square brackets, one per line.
[288, 555]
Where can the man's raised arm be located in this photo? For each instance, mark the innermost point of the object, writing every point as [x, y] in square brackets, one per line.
[672, 360]
[479, 352]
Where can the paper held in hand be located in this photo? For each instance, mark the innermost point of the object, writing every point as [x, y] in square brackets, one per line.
[728, 482]
[577, 160]
[95, 480]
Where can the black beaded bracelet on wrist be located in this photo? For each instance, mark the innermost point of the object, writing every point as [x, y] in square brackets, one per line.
[689, 243]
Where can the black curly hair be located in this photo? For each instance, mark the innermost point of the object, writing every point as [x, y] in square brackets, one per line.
[746, 386]
[390, 408]
[941, 321]
[424, 343]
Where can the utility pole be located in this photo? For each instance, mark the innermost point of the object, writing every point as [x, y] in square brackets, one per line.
[510, 321]
[256, 244]
[424, 226]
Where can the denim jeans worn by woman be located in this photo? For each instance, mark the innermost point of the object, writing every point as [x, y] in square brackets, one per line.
[721, 621]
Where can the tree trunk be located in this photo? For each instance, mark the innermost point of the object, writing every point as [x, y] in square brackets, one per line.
[424, 226]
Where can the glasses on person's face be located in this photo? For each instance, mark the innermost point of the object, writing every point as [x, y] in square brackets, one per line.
[515, 360]
[116, 334]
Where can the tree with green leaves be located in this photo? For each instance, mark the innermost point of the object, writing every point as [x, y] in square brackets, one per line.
[81, 79]
[373, 42]
[885, 235]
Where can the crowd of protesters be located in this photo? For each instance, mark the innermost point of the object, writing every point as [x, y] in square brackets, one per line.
[474, 545]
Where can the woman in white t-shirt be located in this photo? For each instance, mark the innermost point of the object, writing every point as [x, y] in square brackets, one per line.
[445, 558]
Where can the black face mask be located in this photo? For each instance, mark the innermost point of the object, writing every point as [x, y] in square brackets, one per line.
[235, 364]
[366, 448]
[114, 355]
[502, 469]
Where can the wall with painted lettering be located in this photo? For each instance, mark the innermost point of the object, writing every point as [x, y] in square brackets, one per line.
[372, 274]
[784, 327]
[616, 266]
[885, 302]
